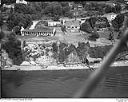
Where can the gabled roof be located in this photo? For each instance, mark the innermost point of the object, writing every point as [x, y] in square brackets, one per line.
[39, 30]
[74, 23]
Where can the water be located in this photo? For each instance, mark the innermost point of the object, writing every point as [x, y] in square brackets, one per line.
[62, 83]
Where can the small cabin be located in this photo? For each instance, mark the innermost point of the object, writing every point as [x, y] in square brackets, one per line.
[73, 25]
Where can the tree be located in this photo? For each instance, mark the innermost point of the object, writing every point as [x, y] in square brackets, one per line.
[66, 10]
[13, 48]
[53, 10]
[18, 19]
[1, 35]
[16, 30]
[57, 10]
[88, 27]
[82, 50]
[119, 1]
[54, 47]
[83, 3]
[108, 9]
[44, 4]
[117, 8]
[56, 18]
[62, 56]
[63, 28]
[64, 4]
[25, 9]
[118, 22]
[1, 20]
[99, 51]
[111, 35]
[126, 7]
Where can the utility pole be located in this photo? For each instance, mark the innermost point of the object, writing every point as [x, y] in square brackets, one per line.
[75, 10]
[1, 33]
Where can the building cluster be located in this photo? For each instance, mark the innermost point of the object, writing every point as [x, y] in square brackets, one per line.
[49, 27]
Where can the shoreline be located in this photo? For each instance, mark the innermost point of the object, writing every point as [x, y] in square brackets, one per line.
[61, 67]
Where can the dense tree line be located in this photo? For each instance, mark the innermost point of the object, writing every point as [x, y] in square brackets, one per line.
[61, 51]
[18, 19]
[22, 14]
[102, 8]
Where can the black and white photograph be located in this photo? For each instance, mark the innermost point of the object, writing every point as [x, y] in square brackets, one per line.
[64, 49]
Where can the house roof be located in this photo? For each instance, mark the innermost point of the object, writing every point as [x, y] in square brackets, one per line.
[39, 30]
[25, 63]
[74, 23]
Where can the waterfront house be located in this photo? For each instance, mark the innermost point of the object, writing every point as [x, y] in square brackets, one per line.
[38, 32]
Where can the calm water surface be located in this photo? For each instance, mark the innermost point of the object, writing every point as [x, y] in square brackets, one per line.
[62, 83]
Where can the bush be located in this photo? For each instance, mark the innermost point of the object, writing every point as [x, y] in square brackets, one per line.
[99, 51]
[93, 37]
[16, 29]
[82, 50]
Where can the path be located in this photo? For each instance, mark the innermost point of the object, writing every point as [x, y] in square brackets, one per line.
[61, 67]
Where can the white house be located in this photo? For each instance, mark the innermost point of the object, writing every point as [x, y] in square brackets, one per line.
[54, 23]
[110, 16]
[21, 1]
[8, 6]
[64, 19]
[73, 26]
